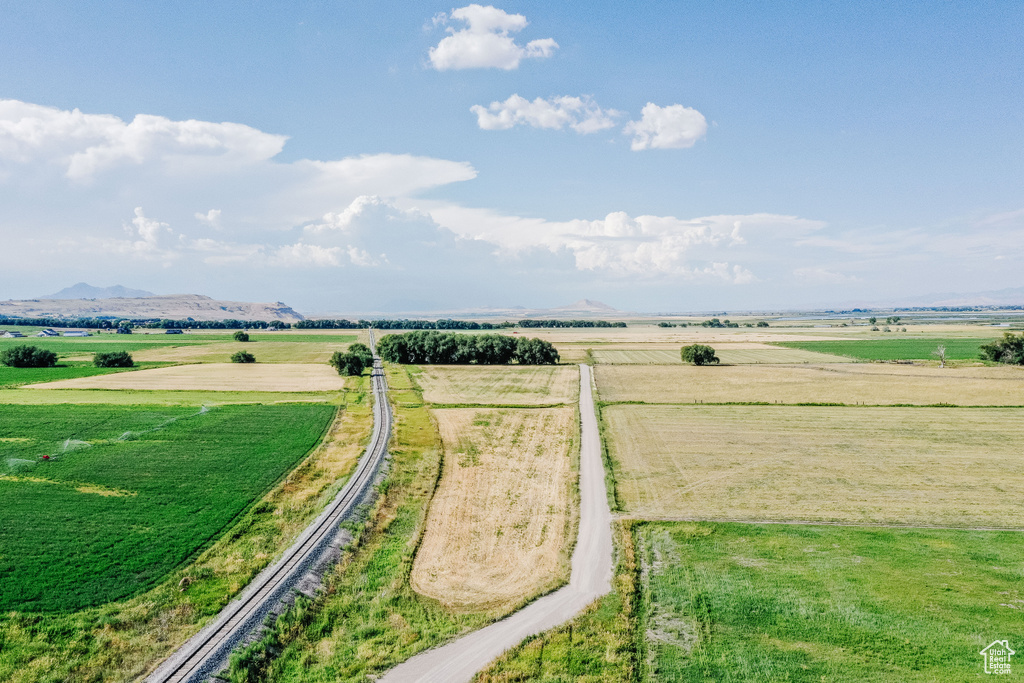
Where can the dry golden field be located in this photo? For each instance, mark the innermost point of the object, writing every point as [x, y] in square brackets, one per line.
[502, 385]
[499, 524]
[738, 353]
[928, 466]
[869, 383]
[214, 377]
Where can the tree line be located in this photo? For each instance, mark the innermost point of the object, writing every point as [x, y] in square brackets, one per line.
[432, 347]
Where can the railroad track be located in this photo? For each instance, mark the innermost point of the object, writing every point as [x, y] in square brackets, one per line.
[206, 653]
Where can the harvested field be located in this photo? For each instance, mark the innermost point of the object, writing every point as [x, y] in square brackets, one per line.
[929, 466]
[502, 385]
[214, 377]
[728, 353]
[499, 525]
[870, 383]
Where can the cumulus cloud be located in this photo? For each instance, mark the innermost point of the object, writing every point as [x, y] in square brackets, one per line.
[484, 41]
[581, 114]
[85, 144]
[211, 217]
[671, 127]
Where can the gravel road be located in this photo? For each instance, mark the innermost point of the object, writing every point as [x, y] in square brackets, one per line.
[591, 577]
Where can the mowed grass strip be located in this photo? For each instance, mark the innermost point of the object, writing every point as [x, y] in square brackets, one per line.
[740, 354]
[894, 349]
[179, 475]
[498, 530]
[849, 383]
[734, 602]
[918, 466]
[214, 377]
[126, 397]
[501, 385]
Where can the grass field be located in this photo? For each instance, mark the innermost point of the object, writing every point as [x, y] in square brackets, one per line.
[13, 377]
[215, 377]
[728, 354]
[851, 383]
[894, 348]
[279, 350]
[130, 493]
[500, 523]
[734, 602]
[942, 466]
[500, 385]
[49, 397]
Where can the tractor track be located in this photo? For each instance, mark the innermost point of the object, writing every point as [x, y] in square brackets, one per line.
[207, 652]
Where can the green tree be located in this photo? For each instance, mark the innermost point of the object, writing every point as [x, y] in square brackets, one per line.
[242, 357]
[350, 363]
[872, 320]
[25, 356]
[762, 323]
[241, 336]
[699, 354]
[114, 359]
[1009, 349]
[363, 351]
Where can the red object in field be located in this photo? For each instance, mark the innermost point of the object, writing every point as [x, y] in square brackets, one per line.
[46, 457]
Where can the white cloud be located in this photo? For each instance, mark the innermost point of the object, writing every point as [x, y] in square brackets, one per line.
[211, 217]
[581, 114]
[85, 144]
[642, 246]
[484, 41]
[671, 127]
[300, 254]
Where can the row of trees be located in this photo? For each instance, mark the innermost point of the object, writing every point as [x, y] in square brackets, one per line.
[456, 349]
[569, 323]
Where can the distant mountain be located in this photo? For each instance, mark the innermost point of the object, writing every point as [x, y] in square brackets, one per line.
[84, 290]
[174, 306]
[586, 306]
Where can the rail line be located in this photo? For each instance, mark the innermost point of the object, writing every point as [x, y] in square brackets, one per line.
[207, 652]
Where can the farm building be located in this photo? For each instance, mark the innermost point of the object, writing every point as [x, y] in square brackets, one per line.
[76, 333]
[124, 330]
[13, 334]
[48, 333]
[173, 332]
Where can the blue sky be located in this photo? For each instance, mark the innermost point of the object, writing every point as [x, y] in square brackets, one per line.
[740, 155]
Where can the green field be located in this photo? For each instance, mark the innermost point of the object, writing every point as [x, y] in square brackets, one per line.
[735, 602]
[893, 349]
[13, 377]
[129, 492]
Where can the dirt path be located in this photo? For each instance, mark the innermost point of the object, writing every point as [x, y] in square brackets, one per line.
[591, 577]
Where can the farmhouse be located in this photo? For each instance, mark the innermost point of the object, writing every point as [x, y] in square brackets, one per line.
[13, 334]
[48, 333]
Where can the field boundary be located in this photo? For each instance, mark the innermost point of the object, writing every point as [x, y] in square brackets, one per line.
[531, 406]
[803, 404]
[796, 522]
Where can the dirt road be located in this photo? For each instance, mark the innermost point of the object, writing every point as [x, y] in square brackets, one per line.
[591, 577]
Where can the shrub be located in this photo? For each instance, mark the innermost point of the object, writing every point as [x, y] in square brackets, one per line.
[762, 323]
[114, 359]
[699, 354]
[1009, 349]
[28, 357]
[241, 336]
[242, 357]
